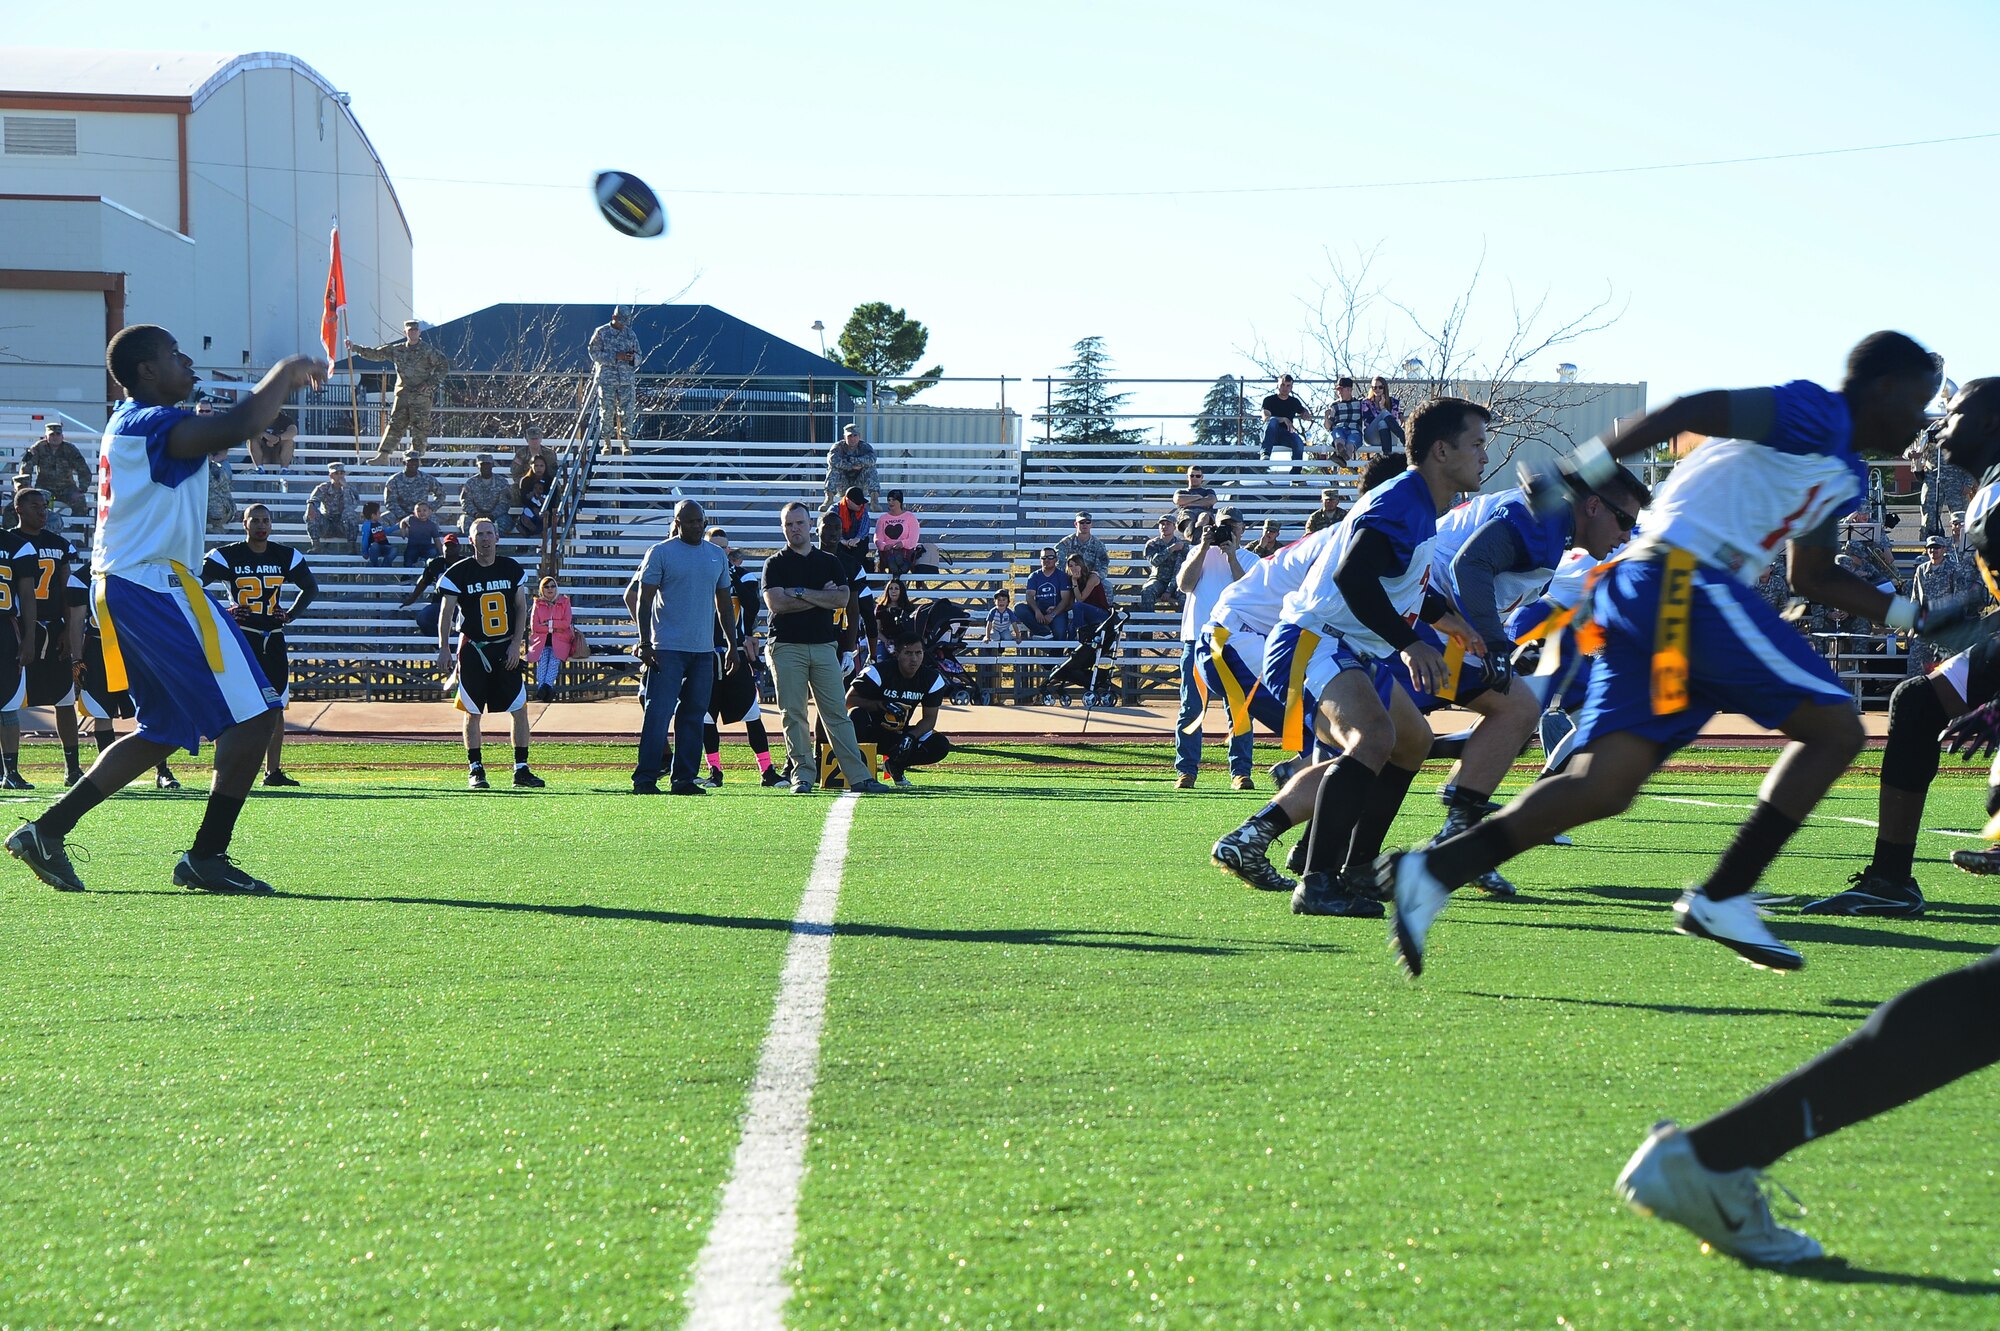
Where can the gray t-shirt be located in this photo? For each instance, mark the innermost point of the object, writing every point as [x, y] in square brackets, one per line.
[688, 577]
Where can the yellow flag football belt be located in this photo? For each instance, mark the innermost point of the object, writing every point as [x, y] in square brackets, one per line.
[1670, 633]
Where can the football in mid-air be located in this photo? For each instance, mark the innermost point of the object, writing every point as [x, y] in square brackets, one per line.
[629, 204]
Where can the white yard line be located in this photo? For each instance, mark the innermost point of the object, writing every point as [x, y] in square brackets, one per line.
[1836, 817]
[739, 1279]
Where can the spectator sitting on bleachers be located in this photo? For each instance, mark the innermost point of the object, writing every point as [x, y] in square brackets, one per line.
[426, 615]
[486, 495]
[532, 498]
[892, 613]
[1346, 421]
[1383, 428]
[53, 464]
[1328, 512]
[420, 533]
[1191, 500]
[899, 546]
[331, 511]
[374, 536]
[1864, 555]
[852, 545]
[1046, 606]
[1081, 542]
[1090, 604]
[1002, 628]
[275, 446]
[851, 463]
[1267, 541]
[525, 455]
[1164, 554]
[406, 487]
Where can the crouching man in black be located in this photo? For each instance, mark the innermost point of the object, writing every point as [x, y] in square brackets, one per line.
[894, 706]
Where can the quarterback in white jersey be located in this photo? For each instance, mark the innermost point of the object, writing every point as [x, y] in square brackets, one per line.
[1684, 634]
[191, 673]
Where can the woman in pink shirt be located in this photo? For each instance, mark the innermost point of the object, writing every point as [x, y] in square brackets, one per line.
[898, 537]
[551, 637]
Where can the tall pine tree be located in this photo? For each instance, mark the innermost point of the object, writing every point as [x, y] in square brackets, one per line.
[1226, 416]
[1085, 410]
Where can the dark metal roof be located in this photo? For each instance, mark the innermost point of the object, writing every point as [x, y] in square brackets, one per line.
[683, 340]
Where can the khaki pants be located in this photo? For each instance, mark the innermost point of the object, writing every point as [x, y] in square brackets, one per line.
[815, 666]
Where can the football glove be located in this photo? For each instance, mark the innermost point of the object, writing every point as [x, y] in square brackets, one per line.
[1974, 735]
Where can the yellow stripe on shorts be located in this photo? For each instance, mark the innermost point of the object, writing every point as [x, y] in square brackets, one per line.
[114, 659]
[204, 616]
[1294, 737]
[1670, 635]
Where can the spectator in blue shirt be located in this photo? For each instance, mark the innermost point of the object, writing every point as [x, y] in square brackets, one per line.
[1044, 611]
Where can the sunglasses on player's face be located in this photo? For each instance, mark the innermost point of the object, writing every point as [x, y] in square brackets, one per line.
[1626, 521]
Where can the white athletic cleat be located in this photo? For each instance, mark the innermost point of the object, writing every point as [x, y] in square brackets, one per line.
[1726, 1211]
[1416, 897]
[1738, 925]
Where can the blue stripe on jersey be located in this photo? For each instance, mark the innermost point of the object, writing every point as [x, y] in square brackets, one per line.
[136, 420]
[1401, 510]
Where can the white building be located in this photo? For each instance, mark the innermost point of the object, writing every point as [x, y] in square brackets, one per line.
[194, 191]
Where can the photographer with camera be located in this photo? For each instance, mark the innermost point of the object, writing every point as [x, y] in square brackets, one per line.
[1216, 561]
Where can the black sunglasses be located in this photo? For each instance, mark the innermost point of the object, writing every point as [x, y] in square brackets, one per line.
[1626, 521]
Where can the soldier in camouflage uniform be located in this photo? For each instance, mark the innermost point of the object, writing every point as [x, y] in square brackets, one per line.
[614, 349]
[54, 465]
[1945, 487]
[1944, 583]
[420, 370]
[486, 495]
[409, 487]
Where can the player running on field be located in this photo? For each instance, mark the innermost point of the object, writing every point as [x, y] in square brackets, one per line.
[190, 670]
[490, 592]
[255, 570]
[1923, 705]
[1336, 638]
[1686, 635]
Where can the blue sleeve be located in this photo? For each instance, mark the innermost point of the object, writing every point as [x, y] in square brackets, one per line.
[1525, 619]
[1542, 540]
[1809, 419]
[1404, 516]
[154, 425]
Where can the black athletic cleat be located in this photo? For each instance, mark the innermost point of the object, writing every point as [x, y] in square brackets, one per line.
[714, 777]
[278, 778]
[72, 776]
[49, 860]
[529, 781]
[217, 873]
[1239, 855]
[164, 779]
[1324, 894]
[1872, 894]
[1983, 861]
[475, 779]
[1295, 858]
[15, 781]
[773, 778]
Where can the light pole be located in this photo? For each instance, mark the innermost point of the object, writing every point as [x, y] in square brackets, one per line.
[820, 328]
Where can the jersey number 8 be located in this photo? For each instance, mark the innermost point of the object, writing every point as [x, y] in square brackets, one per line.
[493, 613]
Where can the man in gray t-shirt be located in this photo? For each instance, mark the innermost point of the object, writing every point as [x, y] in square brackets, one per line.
[678, 596]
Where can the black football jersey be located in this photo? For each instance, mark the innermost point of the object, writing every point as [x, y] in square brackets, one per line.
[485, 596]
[52, 552]
[254, 579]
[903, 697]
[17, 560]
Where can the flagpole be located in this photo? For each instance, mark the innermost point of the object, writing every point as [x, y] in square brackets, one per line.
[353, 392]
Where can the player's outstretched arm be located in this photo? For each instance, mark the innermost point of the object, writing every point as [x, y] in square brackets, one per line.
[198, 436]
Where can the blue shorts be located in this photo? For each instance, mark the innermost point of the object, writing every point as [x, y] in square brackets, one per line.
[1741, 658]
[178, 696]
[1229, 677]
[1299, 665]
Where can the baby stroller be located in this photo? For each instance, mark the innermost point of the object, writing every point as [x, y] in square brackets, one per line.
[1086, 667]
[942, 623]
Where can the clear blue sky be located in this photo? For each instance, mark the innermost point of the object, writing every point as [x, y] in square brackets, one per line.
[1727, 275]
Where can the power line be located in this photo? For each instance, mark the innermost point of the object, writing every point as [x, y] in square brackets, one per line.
[1185, 191]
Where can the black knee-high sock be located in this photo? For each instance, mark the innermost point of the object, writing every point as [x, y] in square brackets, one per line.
[711, 738]
[105, 739]
[1763, 834]
[64, 813]
[1893, 859]
[1336, 809]
[218, 824]
[1378, 811]
[474, 757]
[760, 739]
[1921, 1039]
[1458, 860]
[72, 756]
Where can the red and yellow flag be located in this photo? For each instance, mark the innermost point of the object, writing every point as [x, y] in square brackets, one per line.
[336, 298]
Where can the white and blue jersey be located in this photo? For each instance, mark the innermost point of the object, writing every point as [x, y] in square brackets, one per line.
[1543, 540]
[1230, 652]
[190, 670]
[1403, 512]
[1729, 507]
[1732, 502]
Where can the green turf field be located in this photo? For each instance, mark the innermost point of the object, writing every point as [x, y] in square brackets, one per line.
[482, 1063]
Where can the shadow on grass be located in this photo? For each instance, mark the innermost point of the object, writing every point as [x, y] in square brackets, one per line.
[1123, 940]
[1837, 1271]
[1792, 929]
[1674, 1009]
